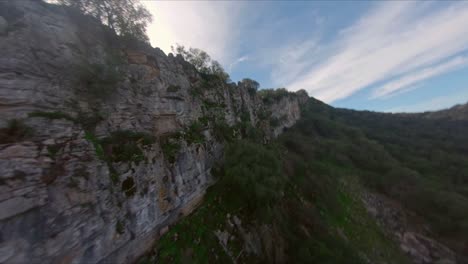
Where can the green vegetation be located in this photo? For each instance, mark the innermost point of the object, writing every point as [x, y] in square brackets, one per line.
[209, 105]
[86, 120]
[253, 175]
[271, 96]
[193, 134]
[97, 145]
[127, 18]
[209, 69]
[223, 132]
[120, 146]
[192, 240]
[125, 146]
[98, 80]
[316, 216]
[170, 148]
[252, 86]
[52, 115]
[307, 186]
[422, 163]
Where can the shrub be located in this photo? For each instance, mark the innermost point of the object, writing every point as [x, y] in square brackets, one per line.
[223, 132]
[127, 18]
[209, 69]
[252, 86]
[271, 96]
[263, 114]
[97, 145]
[210, 105]
[252, 175]
[99, 79]
[194, 133]
[123, 145]
[52, 115]
[170, 148]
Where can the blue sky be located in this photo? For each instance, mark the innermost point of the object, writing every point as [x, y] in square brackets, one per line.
[385, 56]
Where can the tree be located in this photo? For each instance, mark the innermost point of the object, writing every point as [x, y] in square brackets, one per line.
[252, 85]
[201, 61]
[126, 18]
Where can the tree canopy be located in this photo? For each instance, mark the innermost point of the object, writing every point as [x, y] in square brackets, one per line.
[201, 61]
[127, 18]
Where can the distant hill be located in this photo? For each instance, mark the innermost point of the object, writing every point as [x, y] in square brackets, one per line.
[457, 112]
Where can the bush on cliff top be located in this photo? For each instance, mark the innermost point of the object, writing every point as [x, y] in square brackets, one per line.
[271, 96]
[206, 66]
[127, 18]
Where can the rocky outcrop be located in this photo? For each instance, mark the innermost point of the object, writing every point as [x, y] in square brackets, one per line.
[413, 238]
[104, 141]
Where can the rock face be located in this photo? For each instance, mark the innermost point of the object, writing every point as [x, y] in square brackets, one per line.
[104, 142]
[414, 239]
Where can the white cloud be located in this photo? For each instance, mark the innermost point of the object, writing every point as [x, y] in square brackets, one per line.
[414, 77]
[438, 103]
[208, 25]
[393, 39]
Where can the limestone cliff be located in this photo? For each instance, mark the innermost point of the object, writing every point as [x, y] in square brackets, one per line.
[104, 141]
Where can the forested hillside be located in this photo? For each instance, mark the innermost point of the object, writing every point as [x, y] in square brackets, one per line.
[457, 112]
[340, 186]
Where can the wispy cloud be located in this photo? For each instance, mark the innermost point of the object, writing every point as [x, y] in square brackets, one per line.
[411, 79]
[237, 61]
[293, 60]
[437, 103]
[393, 40]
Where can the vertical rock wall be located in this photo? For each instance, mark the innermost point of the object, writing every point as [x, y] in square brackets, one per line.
[69, 191]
